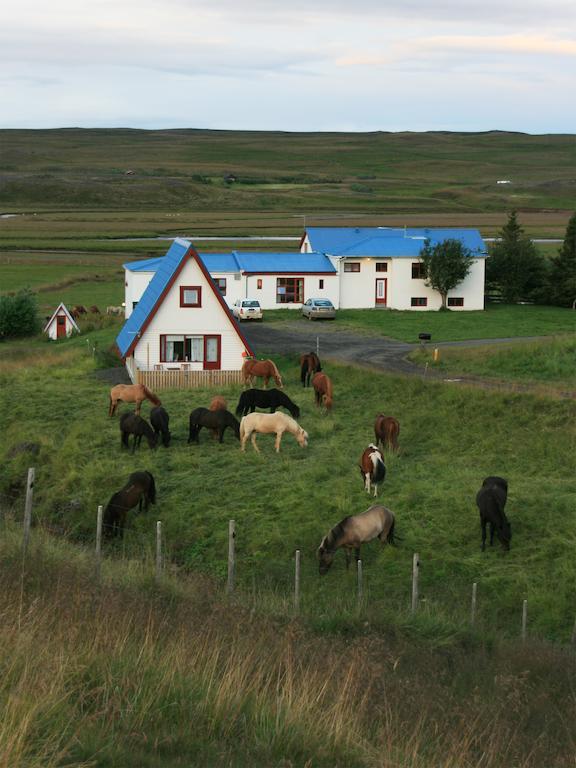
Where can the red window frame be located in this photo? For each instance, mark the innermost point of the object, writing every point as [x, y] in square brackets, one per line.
[418, 271]
[294, 287]
[221, 285]
[351, 266]
[418, 301]
[320, 284]
[455, 301]
[191, 288]
[381, 266]
[213, 365]
[259, 283]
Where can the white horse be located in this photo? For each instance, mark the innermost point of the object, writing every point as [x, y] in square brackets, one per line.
[268, 423]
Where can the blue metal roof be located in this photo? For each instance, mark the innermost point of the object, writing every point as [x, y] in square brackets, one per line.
[145, 265]
[388, 241]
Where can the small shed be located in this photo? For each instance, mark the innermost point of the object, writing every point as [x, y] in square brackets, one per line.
[61, 324]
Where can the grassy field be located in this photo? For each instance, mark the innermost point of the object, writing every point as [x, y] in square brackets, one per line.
[288, 502]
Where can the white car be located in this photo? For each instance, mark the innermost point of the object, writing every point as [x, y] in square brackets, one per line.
[247, 309]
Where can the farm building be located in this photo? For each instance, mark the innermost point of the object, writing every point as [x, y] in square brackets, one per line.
[61, 325]
[181, 332]
[380, 266]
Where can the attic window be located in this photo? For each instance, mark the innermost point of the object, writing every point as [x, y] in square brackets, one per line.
[190, 296]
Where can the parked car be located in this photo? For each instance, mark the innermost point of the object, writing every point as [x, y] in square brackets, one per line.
[317, 309]
[247, 309]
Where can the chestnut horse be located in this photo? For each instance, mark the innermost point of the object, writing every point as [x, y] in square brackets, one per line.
[386, 431]
[131, 393]
[267, 423]
[309, 364]
[264, 368]
[322, 390]
[218, 403]
[372, 468]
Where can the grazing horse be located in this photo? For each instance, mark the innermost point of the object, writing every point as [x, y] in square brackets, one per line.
[386, 431]
[372, 468]
[322, 390]
[94, 310]
[266, 369]
[251, 399]
[377, 522]
[78, 310]
[132, 424]
[217, 421]
[114, 310]
[309, 364]
[131, 393]
[159, 419]
[140, 489]
[267, 423]
[491, 500]
[218, 403]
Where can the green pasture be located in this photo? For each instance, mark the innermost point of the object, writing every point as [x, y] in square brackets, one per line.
[450, 439]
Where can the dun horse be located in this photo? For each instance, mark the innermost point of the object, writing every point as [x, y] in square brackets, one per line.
[386, 431]
[377, 522]
[491, 500]
[132, 424]
[160, 420]
[140, 489]
[268, 423]
[322, 390]
[131, 393]
[372, 468]
[309, 364]
[251, 399]
[265, 369]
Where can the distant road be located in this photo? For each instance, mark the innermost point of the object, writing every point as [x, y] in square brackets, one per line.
[279, 238]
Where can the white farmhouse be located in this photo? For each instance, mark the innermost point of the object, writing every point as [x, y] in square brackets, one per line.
[61, 325]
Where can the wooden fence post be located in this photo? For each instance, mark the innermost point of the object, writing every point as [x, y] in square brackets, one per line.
[98, 552]
[318, 345]
[473, 604]
[231, 556]
[297, 581]
[524, 619]
[28, 507]
[574, 633]
[158, 550]
[415, 569]
[360, 585]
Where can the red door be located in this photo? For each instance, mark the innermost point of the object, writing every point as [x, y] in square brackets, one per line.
[212, 350]
[61, 326]
[381, 290]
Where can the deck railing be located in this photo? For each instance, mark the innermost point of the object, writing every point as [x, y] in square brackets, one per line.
[186, 379]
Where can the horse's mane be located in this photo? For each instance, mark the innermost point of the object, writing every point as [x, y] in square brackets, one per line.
[330, 541]
[151, 396]
[274, 368]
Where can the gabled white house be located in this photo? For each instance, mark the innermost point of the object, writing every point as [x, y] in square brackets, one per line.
[61, 325]
[181, 332]
[380, 266]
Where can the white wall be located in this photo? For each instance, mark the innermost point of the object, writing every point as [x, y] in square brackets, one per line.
[404, 287]
[267, 294]
[135, 283]
[51, 330]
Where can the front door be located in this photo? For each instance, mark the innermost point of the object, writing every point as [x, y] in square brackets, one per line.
[381, 290]
[61, 326]
[212, 347]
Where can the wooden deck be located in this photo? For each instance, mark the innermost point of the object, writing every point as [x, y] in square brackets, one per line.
[185, 379]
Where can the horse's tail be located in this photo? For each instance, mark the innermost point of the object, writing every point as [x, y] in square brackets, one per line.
[242, 428]
[379, 472]
[390, 537]
[151, 396]
[152, 489]
[240, 406]
[303, 369]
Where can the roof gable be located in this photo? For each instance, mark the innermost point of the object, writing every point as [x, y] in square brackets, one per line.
[68, 315]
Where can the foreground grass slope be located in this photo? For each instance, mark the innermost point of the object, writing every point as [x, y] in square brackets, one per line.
[450, 440]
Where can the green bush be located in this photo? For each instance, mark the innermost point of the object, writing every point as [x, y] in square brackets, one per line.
[19, 315]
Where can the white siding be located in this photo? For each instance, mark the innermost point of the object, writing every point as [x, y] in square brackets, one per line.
[267, 294]
[135, 283]
[51, 329]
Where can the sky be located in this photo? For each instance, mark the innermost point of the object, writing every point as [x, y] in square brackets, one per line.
[300, 65]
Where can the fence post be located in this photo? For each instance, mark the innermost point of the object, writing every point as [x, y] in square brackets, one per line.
[574, 633]
[158, 550]
[28, 507]
[231, 556]
[415, 568]
[98, 540]
[473, 604]
[297, 581]
[318, 345]
[360, 585]
[524, 619]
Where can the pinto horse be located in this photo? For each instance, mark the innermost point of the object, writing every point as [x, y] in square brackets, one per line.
[372, 468]
[376, 522]
[140, 489]
[266, 369]
[309, 364]
[386, 431]
[267, 423]
[131, 393]
[322, 390]
[491, 500]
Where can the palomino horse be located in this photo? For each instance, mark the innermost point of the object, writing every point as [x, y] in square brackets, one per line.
[264, 368]
[267, 423]
[351, 532]
[309, 364]
[491, 499]
[131, 393]
[322, 390]
[386, 431]
[140, 489]
[372, 468]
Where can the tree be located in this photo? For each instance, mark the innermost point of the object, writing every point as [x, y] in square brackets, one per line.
[18, 315]
[446, 265]
[562, 278]
[515, 266]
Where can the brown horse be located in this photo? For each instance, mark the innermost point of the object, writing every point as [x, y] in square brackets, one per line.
[94, 310]
[218, 403]
[322, 390]
[386, 431]
[131, 393]
[78, 310]
[140, 489]
[309, 364]
[266, 369]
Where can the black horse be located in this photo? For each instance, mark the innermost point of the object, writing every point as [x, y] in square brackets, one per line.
[159, 419]
[491, 500]
[131, 424]
[265, 398]
[217, 421]
[140, 489]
